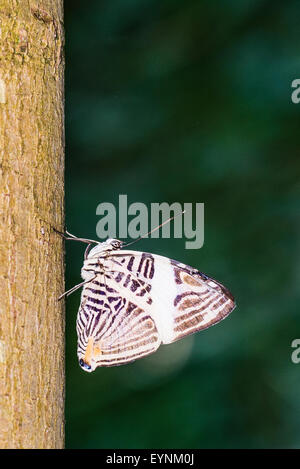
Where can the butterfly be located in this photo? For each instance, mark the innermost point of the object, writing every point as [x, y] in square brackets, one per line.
[132, 302]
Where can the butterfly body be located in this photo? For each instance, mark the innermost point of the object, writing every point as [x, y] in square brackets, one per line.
[134, 301]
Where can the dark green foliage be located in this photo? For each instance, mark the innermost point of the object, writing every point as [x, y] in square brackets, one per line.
[191, 102]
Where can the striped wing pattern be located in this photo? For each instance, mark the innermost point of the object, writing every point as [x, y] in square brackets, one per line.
[119, 329]
[200, 302]
[135, 301]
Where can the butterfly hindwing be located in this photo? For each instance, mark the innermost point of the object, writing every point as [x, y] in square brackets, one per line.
[121, 330]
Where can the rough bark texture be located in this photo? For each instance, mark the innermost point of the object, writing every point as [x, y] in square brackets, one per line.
[31, 203]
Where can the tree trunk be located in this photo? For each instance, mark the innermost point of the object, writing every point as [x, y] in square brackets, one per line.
[31, 204]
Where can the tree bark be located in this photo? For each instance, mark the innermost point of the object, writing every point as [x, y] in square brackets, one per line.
[31, 204]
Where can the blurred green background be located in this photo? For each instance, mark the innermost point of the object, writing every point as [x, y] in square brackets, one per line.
[190, 101]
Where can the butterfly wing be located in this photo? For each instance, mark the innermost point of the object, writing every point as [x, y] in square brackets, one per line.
[112, 328]
[180, 299]
[137, 300]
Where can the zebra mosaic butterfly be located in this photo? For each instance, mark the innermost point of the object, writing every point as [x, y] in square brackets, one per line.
[132, 302]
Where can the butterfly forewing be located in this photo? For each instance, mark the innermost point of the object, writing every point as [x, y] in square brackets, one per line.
[182, 299]
[137, 300]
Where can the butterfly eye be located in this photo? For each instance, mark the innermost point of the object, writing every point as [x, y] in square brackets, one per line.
[84, 365]
[116, 244]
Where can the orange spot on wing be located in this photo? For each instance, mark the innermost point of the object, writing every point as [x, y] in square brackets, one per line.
[89, 351]
[97, 350]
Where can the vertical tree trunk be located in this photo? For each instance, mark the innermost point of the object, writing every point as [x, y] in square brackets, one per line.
[31, 203]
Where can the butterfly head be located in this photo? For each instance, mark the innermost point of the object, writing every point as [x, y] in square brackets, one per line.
[110, 244]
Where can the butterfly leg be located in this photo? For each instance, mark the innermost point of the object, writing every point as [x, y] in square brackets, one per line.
[68, 292]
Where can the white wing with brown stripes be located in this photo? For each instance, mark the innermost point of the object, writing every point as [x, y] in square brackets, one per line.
[134, 301]
[183, 300]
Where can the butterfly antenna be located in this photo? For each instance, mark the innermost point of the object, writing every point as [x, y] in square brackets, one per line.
[152, 231]
[70, 236]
